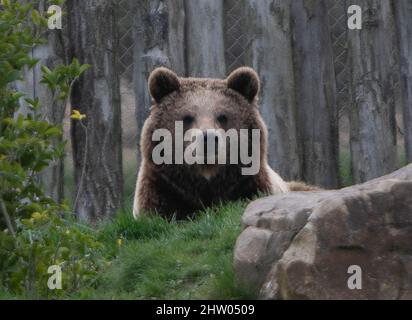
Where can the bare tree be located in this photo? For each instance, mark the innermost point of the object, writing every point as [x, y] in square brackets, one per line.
[404, 24]
[373, 70]
[159, 33]
[315, 93]
[96, 142]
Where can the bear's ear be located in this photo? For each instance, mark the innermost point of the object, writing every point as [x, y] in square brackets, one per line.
[162, 82]
[245, 81]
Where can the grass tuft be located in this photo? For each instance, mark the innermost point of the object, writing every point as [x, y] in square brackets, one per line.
[157, 259]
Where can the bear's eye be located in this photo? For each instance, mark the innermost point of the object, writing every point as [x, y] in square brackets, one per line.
[222, 119]
[188, 119]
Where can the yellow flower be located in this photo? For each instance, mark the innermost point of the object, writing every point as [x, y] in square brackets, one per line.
[119, 242]
[76, 115]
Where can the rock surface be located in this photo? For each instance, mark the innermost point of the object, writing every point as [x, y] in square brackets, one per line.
[301, 245]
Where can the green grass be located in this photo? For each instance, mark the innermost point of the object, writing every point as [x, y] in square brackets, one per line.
[170, 260]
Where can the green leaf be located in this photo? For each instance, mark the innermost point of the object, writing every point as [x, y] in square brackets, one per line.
[33, 102]
[5, 3]
[32, 62]
[20, 121]
[83, 68]
[11, 76]
[45, 69]
[36, 18]
[53, 131]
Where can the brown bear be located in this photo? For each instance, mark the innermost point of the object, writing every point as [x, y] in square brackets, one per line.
[180, 190]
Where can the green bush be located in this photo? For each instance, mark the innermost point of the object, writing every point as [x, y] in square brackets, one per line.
[33, 232]
[43, 240]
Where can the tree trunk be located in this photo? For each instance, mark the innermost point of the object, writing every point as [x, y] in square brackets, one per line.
[372, 114]
[270, 53]
[404, 23]
[97, 147]
[159, 34]
[315, 94]
[204, 39]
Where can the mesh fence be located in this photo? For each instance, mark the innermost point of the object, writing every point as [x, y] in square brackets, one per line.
[237, 41]
[339, 38]
[126, 42]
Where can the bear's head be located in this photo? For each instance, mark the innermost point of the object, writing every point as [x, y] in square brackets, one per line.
[205, 108]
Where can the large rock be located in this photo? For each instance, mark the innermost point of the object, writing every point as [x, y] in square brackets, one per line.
[301, 245]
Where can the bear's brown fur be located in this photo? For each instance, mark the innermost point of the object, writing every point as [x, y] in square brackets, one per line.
[181, 190]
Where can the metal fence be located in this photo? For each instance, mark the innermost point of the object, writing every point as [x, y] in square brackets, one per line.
[339, 39]
[126, 42]
[237, 41]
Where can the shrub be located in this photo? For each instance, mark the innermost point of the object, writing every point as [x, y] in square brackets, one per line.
[43, 240]
[33, 232]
